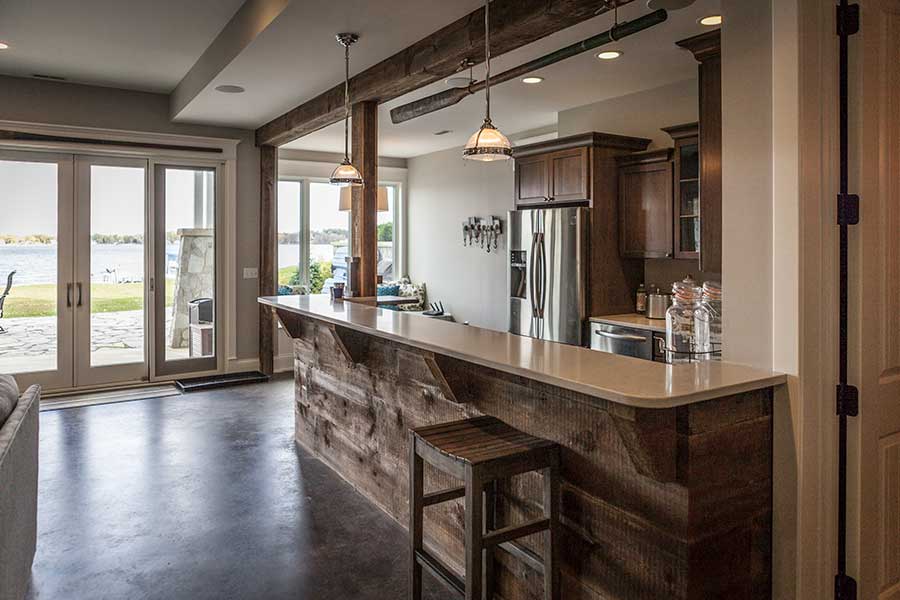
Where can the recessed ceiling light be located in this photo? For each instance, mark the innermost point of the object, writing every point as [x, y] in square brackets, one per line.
[230, 89]
[3, 45]
[711, 20]
[533, 79]
[609, 54]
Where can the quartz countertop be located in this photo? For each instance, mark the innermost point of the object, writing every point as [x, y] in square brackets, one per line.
[633, 320]
[620, 379]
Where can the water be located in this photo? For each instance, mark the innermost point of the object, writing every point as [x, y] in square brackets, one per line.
[37, 263]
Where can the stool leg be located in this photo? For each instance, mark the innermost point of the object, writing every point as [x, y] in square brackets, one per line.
[416, 494]
[551, 535]
[490, 523]
[474, 533]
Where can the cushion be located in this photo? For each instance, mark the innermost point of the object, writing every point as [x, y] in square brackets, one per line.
[388, 289]
[407, 288]
[9, 397]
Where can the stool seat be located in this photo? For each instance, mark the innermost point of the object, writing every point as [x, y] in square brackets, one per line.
[479, 440]
[481, 451]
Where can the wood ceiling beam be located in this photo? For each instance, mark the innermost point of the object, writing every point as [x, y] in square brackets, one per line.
[514, 23]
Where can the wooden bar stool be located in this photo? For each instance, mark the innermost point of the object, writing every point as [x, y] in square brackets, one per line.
[481, 451]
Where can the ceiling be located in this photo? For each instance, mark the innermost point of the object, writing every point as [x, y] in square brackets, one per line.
[650, 60]
[114, 43]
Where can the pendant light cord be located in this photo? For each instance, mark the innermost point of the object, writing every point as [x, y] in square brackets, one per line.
[487, 60]
[346, 102]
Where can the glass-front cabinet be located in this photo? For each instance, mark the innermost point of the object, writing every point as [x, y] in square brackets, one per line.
[687, 190]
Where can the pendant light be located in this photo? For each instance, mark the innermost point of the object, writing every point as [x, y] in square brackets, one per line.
[487, 143]
[346, 173]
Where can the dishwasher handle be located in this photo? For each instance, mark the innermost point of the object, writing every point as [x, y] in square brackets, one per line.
[621, 336]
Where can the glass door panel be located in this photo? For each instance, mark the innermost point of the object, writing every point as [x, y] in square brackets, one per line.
[36, 201]
[185, 272]
[110, 293]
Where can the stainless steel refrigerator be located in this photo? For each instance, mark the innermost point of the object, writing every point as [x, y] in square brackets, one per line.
[548, 249]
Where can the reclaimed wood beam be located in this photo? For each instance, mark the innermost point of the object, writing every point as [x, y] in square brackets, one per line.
[364, 199]
[514, 23]
[268, 252]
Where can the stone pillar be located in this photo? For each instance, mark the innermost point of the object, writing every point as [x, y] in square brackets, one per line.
[195, 279]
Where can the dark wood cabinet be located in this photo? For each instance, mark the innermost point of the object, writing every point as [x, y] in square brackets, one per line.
[686, 189]
[564, 171]
[706, 50]
[645, 204]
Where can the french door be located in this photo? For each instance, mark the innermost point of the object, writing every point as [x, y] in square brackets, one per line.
[111, 265]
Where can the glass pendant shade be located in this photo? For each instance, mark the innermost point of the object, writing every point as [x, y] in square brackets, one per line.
[488, 144]
[346, 200]
[346, 174]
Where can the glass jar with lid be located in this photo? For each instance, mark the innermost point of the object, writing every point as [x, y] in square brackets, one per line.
[681, 345]
[708, 322]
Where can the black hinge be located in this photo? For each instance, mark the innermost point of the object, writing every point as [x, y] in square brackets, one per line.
[848, 22]
[848, 209]
[847, 400]
[844, 587]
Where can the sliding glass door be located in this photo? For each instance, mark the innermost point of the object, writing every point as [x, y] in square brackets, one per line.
[185, 283]
[36, 268]
[111, 264]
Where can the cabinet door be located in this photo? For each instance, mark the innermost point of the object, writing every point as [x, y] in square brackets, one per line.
[687, 199]
[532, 180]
[569, 175]
[645, 210]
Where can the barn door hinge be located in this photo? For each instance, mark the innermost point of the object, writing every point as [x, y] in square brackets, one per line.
[848, 21]
[848, 209]
[844, 587]
[847, 400]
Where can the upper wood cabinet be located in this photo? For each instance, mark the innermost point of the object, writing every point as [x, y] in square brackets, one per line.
[706, 49]
[686, 190]
[564, 171]
[645, 204]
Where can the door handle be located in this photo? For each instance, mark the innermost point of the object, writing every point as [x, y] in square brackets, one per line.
[532, 275]
[543, 269]
[621, 336]
[79, 294]
[68, 295]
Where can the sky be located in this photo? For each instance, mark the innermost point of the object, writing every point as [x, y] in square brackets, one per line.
[29, 199]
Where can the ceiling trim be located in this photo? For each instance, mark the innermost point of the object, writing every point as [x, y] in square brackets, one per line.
[251, 19]
[515, 23]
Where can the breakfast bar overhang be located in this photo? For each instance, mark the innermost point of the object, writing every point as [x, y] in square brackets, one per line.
[666, 469]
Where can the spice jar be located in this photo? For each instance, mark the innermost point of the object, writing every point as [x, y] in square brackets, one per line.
[680, 332]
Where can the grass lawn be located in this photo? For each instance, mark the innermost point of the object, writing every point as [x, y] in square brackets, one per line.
[285, 274]
[39, 300]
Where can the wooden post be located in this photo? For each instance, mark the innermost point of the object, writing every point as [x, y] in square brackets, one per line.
[365, 199]
[268, 251]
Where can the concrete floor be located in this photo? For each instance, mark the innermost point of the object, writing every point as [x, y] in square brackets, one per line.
[204, 496]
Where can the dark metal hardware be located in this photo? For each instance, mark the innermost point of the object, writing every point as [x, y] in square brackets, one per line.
[79, 294]
[847, 17]
[68, 295]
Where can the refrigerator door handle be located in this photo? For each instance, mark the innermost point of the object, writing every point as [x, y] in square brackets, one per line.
[532, 276]
[543, 275]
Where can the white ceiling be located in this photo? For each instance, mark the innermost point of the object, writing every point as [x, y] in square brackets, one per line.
[117, 43]
[651, 59]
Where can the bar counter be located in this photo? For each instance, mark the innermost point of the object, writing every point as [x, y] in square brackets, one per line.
[667, 469]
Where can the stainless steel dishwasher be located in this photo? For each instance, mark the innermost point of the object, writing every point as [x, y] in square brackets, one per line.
[627, 341]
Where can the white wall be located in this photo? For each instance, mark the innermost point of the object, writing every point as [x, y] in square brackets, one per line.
[50, 102]
[444, 190]
[640, 114]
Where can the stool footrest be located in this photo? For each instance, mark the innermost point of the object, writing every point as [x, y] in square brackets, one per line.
[524, 554]
[514, 532]
[441, 571]
[443, 496]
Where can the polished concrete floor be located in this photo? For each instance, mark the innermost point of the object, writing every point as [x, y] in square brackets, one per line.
[204, 496]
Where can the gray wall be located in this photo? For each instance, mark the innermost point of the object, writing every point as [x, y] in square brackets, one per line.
[58, 103]
[444, 190]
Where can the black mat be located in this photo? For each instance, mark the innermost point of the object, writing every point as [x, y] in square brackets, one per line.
[219, 381]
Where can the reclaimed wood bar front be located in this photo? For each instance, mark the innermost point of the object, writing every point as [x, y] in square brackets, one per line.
[666, 469]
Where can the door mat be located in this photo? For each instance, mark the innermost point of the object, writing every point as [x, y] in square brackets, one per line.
[218, 381]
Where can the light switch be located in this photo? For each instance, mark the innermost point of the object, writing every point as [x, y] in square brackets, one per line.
[251, 272]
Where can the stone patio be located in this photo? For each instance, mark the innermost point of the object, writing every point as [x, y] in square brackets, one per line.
[29, 343]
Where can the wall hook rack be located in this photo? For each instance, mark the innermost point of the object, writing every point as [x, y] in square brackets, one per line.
[483, 232]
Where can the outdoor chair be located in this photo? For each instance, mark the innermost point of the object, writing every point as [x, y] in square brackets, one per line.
[3, 297]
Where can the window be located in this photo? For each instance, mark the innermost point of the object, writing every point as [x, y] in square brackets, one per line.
[314, 235]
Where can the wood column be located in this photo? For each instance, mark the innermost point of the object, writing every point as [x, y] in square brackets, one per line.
[364, 214]
[268, 252]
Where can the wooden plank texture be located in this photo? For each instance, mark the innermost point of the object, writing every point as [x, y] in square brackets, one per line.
[672, 503]
[268, 253]
[514, 23]
[364, 208]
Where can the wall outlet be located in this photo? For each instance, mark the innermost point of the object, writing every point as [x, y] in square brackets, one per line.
[251, 272]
